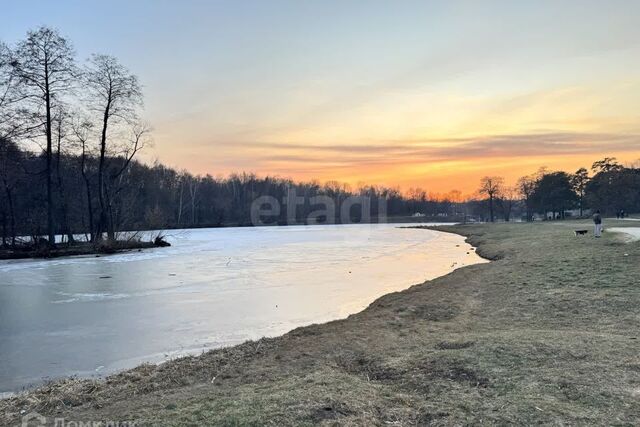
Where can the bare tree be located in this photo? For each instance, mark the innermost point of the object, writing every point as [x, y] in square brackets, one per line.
[181, 182]
[44, 66]
[491, 186]
[115, 182]
[194, 183]
[115, 96]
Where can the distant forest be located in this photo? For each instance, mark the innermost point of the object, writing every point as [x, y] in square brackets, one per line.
[69, 135]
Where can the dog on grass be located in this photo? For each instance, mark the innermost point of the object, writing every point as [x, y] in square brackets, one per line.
[581, 232]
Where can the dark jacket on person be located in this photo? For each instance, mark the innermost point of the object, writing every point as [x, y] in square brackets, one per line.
[597, 219]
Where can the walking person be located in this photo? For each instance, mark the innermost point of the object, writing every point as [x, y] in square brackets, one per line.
[597, 222]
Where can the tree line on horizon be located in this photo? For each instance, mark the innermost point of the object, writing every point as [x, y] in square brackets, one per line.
[70, 132]
[612, 189]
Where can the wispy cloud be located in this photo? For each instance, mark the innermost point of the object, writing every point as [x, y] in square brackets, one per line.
[435, 150]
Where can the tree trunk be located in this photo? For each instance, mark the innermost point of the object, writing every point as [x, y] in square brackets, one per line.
[180, 203]
[66, 229]
[111, 232]
[47, 96]
[4, 230]
[581, 202]
[193, 189]
[103, 222]
[92, 231]
[12, 216]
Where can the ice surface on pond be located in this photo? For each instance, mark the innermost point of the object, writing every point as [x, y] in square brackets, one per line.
[212, 288]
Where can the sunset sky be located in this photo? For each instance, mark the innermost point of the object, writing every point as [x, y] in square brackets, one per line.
[425, 93]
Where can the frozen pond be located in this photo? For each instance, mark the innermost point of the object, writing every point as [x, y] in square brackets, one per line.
[213, 287]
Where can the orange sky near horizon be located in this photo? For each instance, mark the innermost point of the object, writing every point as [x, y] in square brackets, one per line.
[440, 178]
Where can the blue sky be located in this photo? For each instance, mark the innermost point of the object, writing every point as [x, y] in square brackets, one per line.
[378, 91]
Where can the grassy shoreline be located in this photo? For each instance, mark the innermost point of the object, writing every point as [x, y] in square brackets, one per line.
[547, 333]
